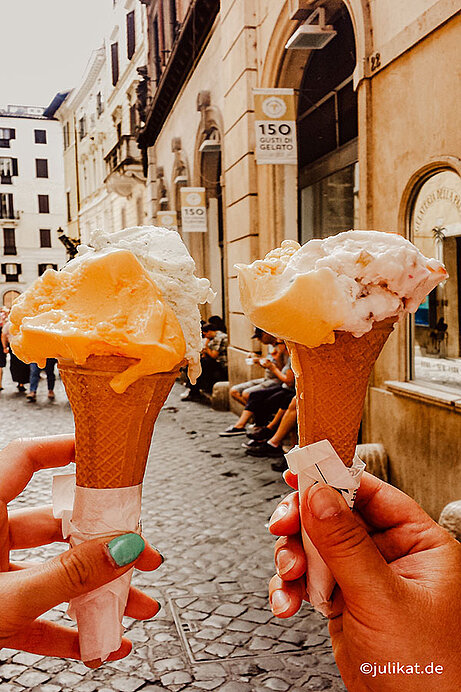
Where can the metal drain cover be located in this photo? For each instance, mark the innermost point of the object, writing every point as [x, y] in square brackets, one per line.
[229, 626]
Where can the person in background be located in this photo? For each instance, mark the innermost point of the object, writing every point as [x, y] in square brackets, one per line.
[20, 372]
[277, 353]
[267, 441]
[213, 360]
[218, 322]
[35, 379]
[263, 404]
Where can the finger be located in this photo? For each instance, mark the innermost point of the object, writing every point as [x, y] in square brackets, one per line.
[50, 639]
[21, 458]
[285, 519]
[289, 557]
[285, 597]
[141, 606]
[32, 527]
[290, 479]
[384, 507]
[81, 569]
[149, 559]
[345, 546]
[4, 538]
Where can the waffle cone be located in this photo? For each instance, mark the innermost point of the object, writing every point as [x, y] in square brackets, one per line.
[112, 431]
[331, 385]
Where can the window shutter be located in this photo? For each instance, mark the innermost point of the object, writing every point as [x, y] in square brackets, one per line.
[114, 59]
[15, 166]
[12, 133]
[130, 35]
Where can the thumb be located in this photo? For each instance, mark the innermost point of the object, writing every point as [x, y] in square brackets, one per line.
[73, 573]
[345, 546]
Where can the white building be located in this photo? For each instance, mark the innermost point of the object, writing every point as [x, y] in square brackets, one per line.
[105, 185]
[32, 203]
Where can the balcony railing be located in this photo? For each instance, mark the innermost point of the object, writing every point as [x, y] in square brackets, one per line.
[9, 215]
[123, 155]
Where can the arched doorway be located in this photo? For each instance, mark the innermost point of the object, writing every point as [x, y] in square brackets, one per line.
[328, 134]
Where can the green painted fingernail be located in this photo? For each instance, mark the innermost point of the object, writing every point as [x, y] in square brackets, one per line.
[125, 549]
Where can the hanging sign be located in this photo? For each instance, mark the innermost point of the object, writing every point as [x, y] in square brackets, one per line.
[167, 219]
[193, 209]
[275, 126]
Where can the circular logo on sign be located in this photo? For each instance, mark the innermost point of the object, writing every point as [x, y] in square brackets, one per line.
[167, 219]
[274, 107]
[193, 199]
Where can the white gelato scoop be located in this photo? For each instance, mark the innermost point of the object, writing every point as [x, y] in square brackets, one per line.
[345, 282]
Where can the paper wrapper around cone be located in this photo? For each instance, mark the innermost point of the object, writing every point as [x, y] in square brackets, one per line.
[112, 439]
[331, 385]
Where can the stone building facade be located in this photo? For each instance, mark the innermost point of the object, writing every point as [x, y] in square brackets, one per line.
[105, 184]
[378, 148]
[31, 198]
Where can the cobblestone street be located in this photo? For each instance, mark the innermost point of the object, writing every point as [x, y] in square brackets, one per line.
[206, 508]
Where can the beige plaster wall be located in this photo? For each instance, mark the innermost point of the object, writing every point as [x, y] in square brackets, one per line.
[424, 447]
[413, 117]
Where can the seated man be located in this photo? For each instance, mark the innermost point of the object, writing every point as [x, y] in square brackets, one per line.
[277, 353]
[213, 360]
[264, 403]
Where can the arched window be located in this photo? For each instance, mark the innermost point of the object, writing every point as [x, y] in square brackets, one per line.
[327, 136]
[435, 228]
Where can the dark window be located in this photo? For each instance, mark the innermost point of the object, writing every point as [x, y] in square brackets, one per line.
[119, 131]
[69, 214]
[82, 127]
[133, 112]
[114, 62]
[41, 168]
[8, 168]
[43, 267]
[40, 136]
[66, 133]
[130, 35]
[9, 241]
[11, 272]
[156, 47]
[173, 21]
[43, 204]
[7, 206]
[6, 134]
[45, 237]
[99, 104]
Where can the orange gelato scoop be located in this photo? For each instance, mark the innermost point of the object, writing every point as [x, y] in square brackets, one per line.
[104, 304]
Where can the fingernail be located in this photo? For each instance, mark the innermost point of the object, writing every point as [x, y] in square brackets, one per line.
[278, 514]
[124, 549]
[279, 602]
[324, 501]
[284, 561]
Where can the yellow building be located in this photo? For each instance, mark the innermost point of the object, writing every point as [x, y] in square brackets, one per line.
[378, 103]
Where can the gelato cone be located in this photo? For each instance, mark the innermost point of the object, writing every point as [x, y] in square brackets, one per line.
[331, 384]
[121, 318]
[112, 431]
[334, 301]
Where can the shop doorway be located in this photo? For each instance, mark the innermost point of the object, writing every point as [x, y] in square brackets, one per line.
[210, 170]
[327, 135]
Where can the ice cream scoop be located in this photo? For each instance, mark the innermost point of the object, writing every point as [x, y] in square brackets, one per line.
[345, 282]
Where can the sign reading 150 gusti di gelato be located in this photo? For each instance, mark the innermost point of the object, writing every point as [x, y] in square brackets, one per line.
[193, 209]
[275, 125]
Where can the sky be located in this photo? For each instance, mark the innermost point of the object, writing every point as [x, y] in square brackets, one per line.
[46, 45]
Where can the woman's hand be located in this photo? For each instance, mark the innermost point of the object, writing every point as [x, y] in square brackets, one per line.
[397, 599]
[26, 592]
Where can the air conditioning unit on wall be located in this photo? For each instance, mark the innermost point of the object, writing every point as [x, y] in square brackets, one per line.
[310, 36]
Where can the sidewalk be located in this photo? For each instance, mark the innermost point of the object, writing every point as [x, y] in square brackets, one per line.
[206, 507]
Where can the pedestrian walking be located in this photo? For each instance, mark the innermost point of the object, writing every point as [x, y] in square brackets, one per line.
[35, 371]
[20, 372]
